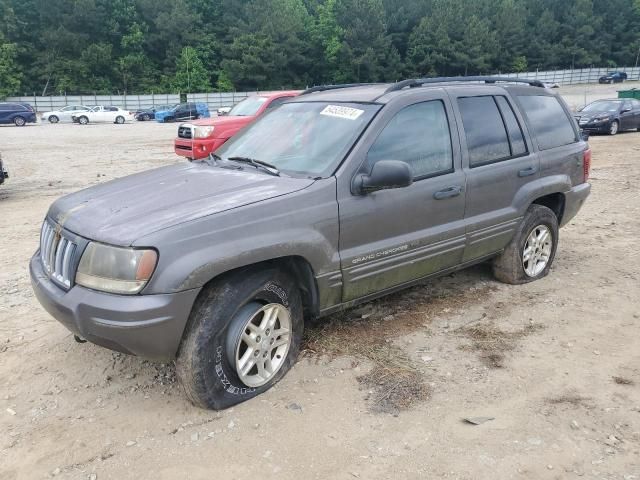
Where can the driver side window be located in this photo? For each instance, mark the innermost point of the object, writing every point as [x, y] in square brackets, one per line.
[418, 135]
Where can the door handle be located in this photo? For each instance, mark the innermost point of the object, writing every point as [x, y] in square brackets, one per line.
[448, 193]
[527, 171]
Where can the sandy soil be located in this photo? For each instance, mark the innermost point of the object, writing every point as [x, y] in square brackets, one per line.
[382, 390]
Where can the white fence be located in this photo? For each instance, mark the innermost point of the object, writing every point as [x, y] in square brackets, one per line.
[217, 100]
[131, 102]
[577, 76]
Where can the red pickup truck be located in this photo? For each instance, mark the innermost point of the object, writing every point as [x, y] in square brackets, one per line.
[198, 139]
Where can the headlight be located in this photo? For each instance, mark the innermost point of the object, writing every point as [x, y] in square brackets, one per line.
[203, 132]
[116, 269]
[602, 119]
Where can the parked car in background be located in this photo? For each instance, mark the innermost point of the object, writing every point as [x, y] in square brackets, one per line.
[613, 77]
[223, 110]
[198, 139]
[146, 114]
[335, 198]
[610, 116]
[3, 173]
[64, 114]
[103, 114]
[18, 113]
[183, 111]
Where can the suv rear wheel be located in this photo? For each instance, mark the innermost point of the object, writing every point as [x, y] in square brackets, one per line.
[243, 335]
[19, 121]
[531, 251]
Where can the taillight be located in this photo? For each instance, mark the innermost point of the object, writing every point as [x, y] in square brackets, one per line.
[586, 163]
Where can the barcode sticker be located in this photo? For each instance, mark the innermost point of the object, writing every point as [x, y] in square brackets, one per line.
[341, 112]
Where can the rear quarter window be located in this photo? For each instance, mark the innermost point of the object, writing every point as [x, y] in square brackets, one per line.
[551, 124]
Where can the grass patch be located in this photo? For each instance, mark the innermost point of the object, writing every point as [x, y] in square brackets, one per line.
[569, 398]
[622, 380]
[395, 382]
[491, 343]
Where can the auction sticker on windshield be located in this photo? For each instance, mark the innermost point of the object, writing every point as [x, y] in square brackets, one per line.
[341, 112]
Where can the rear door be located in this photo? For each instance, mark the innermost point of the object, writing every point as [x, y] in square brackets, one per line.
[498, 163]
[391, 237]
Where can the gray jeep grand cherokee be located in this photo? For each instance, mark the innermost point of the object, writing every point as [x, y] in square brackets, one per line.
[336, 197]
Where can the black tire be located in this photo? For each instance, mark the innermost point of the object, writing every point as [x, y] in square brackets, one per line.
[169, 119]
[614, 128]
[53, 119]
[119, 120]
[206, 358]
[83, 120]
[146, 117]
[508, 267]
[19, 121]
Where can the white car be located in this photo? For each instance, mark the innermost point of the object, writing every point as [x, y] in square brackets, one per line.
[223, 111]
[64, 114]
[103, 114]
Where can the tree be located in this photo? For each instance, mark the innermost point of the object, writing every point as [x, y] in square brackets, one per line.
[191, 75]
[9, 73]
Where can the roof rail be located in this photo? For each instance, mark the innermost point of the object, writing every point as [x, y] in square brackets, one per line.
[322, 88]
[418, 82]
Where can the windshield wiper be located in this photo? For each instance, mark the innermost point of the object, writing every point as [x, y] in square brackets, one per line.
[259, 164]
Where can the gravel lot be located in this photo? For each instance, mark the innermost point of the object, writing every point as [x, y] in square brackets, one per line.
[555, 363]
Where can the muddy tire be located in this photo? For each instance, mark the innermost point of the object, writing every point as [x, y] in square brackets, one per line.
[530, 253]
[249, 316]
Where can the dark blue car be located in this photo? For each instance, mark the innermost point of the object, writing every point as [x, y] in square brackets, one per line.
[17, 113]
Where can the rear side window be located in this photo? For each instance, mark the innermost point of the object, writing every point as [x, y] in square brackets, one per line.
[518, 147]
[552, 126]
[487, 140]
[418, 135]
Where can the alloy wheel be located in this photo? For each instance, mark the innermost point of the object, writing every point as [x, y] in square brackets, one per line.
[537, 250]
[263, 345]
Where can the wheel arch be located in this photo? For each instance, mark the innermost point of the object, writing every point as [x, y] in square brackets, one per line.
[296, 266]
[554, 202]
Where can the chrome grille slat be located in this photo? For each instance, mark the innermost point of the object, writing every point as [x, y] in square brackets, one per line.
[56, 253]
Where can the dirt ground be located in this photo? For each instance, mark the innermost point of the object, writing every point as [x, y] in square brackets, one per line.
[381, 392]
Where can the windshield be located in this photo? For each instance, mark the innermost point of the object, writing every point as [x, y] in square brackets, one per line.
[248, 107]
[607, 106]
[306, 138]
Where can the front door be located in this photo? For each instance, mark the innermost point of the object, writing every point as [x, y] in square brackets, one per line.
[391, 237]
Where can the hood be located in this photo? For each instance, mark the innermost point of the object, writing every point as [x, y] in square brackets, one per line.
[224, 121]
[123, 210]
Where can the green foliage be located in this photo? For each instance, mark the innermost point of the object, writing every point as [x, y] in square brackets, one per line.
[140, 46]
[191, 76]
[9, 74]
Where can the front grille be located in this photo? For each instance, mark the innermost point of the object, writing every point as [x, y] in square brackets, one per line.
[57, 253]
[184, 132]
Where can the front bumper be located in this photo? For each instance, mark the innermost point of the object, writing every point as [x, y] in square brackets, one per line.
[149, 326]
[573, 201]
[597, 127]
[197, 148]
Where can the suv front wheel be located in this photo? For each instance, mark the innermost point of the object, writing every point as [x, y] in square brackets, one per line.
[531, 251]
[242, 337]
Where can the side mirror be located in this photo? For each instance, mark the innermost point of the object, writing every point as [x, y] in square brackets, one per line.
[584, 135]
[385, 174]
